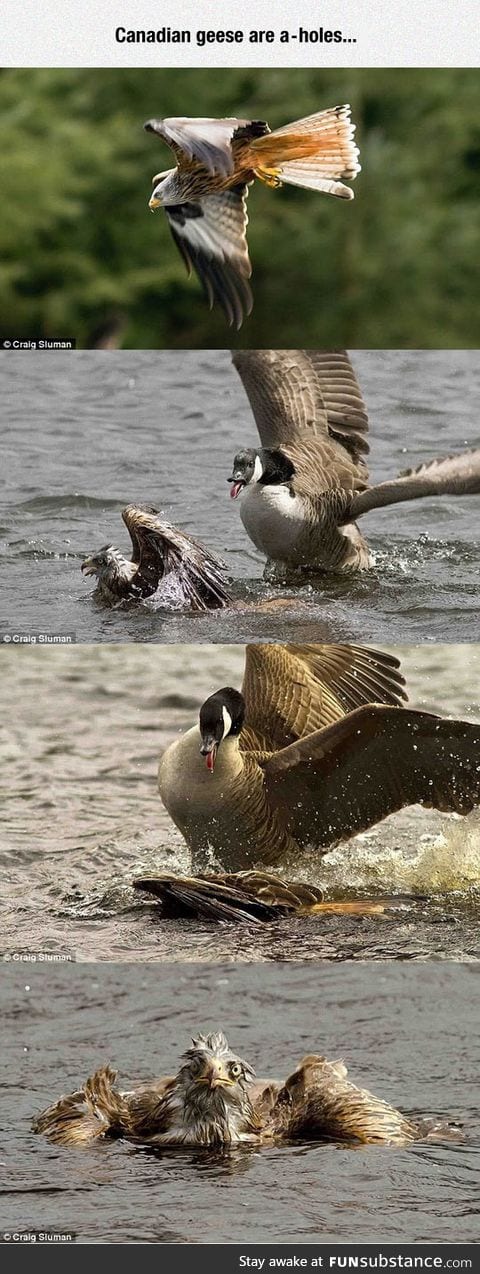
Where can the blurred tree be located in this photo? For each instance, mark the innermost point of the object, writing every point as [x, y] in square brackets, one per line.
[82, 256]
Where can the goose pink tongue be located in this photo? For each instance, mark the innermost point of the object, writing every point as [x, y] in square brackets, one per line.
[211, 760]
[236, 489]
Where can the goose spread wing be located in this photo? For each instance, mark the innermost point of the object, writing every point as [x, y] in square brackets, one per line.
[378, 759]
[283, 392]
[159, 548]
[293, 391]
[210, 234]
[291, 691]
[446, 475]
[346, 411]
[205, 141]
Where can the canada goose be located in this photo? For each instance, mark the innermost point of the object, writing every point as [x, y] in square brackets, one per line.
[313, 750]
[213, 1100]
[205, 196]
[303, 490]
[160, 550]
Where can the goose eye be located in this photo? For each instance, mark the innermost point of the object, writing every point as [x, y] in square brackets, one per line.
[235, 1070]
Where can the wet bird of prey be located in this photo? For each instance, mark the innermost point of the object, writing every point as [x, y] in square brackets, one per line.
[252, 897]
[161, 555]
[217, 160]
[304, 488]
[315, 749]
[214, 1100]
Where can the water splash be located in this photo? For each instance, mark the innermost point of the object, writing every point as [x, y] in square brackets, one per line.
[446, 863]
[169, 595]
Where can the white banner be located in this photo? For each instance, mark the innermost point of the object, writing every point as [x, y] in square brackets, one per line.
[364, 33]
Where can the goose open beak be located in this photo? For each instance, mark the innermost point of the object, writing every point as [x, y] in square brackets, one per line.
[236, 488]
[209, 751]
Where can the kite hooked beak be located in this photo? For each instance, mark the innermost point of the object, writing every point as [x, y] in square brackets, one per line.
[88, 566]
[209, 750]
[214, 1076]
[154, 203]
[237, 486]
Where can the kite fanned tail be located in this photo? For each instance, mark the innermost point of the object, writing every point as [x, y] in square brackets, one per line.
[314, 152]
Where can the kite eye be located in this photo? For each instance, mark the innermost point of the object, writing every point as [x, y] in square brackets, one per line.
[236, 1070]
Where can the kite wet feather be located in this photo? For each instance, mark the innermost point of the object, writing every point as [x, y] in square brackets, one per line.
[214, 1100]
[160, 552]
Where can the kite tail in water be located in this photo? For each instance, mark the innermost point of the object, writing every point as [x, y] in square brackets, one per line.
[313, 152]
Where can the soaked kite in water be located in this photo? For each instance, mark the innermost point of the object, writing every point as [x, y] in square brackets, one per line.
[161, 555]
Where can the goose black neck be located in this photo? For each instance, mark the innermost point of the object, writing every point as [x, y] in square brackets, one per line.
[277, 468]
[212, 716]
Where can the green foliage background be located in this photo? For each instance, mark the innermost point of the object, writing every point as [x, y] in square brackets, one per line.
[397, 267]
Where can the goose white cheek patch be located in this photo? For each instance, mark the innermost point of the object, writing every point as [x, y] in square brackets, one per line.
[227, 722]
[258, 470]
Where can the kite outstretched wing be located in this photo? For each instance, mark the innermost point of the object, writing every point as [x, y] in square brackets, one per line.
[211, 237]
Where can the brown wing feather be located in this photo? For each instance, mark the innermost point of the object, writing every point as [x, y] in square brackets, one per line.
[346, 411]
[211, 237]
[81, 1117]
[149, 1111]
[159, 547]
[318, 1101]
[99, 1109]
[323, 469]
[205, 141]
[292, 690]
[449, 475]
[375, 761]
[297, 393]
[253, 896]
[283, 392]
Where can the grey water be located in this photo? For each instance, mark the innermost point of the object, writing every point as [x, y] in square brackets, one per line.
[86, 433]
[83, 729]
[412, 1040]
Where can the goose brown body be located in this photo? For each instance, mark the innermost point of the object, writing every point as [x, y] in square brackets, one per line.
[315, 749]
[289, 692]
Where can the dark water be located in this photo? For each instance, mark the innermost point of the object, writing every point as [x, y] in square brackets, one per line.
[83, 730]
[86, 433]
[410, 1039]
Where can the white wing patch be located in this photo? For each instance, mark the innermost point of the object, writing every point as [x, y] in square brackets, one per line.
[211, 236]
